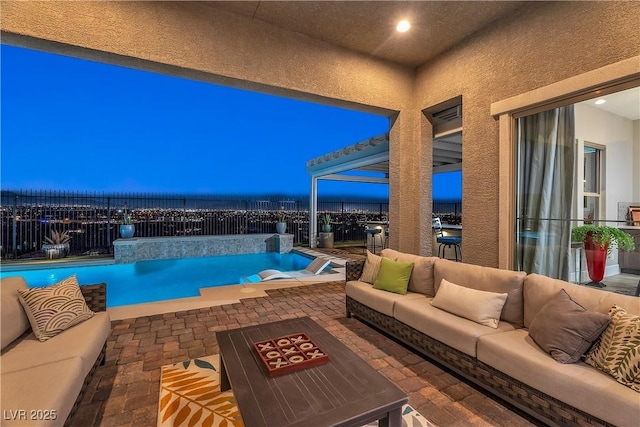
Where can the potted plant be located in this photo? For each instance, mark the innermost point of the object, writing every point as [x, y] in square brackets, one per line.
[281, 225]
[326, 223]
[598, 241]
[127, 228]
[56, 246]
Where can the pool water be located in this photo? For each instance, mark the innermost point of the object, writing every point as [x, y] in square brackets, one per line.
[159, 280]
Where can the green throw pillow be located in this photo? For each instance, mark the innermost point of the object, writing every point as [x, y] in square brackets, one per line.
[393, 276]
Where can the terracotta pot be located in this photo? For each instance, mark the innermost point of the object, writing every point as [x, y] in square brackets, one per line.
[596, 258]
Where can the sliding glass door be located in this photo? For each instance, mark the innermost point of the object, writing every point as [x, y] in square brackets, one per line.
[545, 151]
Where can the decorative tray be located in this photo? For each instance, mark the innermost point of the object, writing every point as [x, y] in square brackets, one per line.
[289, 353]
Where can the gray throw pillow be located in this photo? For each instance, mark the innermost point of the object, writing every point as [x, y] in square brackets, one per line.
[565, 329]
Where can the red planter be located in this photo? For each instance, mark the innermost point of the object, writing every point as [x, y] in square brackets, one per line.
[596, 258]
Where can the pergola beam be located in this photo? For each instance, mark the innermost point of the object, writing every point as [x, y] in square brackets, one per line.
[367, 179]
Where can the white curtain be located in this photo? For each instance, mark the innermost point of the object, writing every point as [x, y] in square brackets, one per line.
[546, 149]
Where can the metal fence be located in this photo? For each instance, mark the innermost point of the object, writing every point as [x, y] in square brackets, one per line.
[92, 220]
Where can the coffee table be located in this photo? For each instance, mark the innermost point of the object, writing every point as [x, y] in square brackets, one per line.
[346, 391]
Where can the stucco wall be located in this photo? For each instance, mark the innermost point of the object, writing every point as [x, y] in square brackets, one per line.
[539, 45]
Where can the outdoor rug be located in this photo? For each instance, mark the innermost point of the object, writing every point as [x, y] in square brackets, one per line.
[190, 396]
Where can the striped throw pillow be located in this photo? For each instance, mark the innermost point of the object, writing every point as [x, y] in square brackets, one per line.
[618, 350]
[371, 267]
[56, 308]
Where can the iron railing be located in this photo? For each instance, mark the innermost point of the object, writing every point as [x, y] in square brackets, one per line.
[92, 219]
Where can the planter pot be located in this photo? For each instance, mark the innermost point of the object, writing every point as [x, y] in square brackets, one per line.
[127, 230]
[326, 228]
[596, 260]
[281, 227]
[55, 250]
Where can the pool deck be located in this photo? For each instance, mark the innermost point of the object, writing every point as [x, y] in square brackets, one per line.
[229, 294]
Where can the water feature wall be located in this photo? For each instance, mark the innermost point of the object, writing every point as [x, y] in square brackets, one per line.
[146, 248]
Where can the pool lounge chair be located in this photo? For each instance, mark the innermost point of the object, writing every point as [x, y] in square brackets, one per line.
[313, 269]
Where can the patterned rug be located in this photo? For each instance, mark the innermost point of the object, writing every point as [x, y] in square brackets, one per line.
[190, 396]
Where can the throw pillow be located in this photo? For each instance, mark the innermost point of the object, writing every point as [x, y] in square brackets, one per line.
[393, 276]
[617, 352]
[54, 308]
[371, 267]
[479, 306]
[565, 329]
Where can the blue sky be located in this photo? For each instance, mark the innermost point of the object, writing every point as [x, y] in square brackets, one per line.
[76, 125]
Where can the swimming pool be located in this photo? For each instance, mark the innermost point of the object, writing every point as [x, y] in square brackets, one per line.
[159, 280]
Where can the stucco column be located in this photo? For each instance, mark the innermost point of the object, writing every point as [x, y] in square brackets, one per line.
[410, 166]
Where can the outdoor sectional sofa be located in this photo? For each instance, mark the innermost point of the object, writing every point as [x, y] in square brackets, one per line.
[43, 382]
[503, 360]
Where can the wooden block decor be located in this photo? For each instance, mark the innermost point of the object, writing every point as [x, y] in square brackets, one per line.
[289, 353]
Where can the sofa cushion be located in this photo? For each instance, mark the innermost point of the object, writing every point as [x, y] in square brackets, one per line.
[422, 275]
[84, 341]
[378, 300]
[480, 306]
[455, 331]
[564, 329]
[13, 319]
[577, 384]
[393, 276]
[486, 279]
[371, 267]
[617, 352]
[53, 309]
[49, 387]
[539, 290]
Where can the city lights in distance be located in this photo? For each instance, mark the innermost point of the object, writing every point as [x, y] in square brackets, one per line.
[403, 26]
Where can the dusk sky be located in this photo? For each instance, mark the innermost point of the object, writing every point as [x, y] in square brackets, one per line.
[76, 125]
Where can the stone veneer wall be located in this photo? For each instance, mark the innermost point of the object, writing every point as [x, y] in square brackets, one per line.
[145, 248]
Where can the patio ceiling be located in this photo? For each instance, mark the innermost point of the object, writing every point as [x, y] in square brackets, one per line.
[368, 27]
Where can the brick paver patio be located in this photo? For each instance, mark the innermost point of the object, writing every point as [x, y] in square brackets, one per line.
[124, 392]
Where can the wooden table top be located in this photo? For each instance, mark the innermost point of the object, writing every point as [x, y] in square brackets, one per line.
[346, 391]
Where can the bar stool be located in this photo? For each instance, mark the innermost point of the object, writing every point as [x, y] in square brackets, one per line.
[385, 244]
[373, 232]
[446, 241]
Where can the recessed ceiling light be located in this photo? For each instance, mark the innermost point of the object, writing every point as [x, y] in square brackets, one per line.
[600, 101]
[403, 26]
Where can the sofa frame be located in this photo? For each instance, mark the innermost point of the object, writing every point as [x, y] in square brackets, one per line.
[526, 398]
[96, 298]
